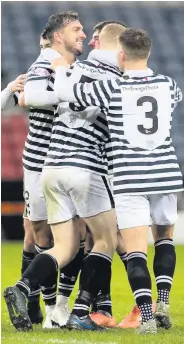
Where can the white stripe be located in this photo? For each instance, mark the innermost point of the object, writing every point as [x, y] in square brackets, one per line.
[164, 276]
[142, 294]
[164, 242]
[142, 290]
[101, 255]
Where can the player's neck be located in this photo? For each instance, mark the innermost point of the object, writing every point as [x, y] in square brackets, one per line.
[109, 47]
[139, 65]
[69, 57]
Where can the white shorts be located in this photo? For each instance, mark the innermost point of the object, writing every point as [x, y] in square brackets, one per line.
[137, 210]
[72, 191]
[35, 206]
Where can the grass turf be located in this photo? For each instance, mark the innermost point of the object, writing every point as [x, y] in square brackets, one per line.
[122, 303]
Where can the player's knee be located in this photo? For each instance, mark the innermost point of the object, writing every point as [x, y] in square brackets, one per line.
[42, 233]
[163, 232]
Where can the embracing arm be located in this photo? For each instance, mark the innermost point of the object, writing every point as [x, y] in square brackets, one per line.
[36, 95]
[9, 96]
[96, 93]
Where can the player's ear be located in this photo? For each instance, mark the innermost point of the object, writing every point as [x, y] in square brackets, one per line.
[58, 37]
[149, 53]
[123, 55]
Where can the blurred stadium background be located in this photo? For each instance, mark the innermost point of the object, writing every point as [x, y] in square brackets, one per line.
[22, 23]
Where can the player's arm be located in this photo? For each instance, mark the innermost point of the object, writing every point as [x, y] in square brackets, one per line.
[9, 96]
[35, 90]
[96, 93]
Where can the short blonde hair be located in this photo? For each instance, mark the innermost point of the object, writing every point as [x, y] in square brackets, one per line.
[110, 33]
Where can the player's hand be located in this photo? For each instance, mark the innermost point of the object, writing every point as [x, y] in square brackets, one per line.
[18, 83]
[59, 62]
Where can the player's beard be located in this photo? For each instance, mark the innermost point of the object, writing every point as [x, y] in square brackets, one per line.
[73, 50]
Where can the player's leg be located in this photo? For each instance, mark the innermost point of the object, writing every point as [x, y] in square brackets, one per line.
[28, 255]
[91, 199]
[67, 279]
[66, 245]
[101, 308]
[133, 216]
[164, 215]
[133, 319]
[42, 236]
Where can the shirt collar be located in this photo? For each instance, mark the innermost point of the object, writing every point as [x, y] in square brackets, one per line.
[50, 54]
[138, 73]
[104, 56]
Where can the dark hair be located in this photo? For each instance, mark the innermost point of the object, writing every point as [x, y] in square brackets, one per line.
[44, 34]
[101, 25]
[136, 43]
[58, 21]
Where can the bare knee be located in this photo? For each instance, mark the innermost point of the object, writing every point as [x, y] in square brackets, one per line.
[120, 245]
[162, 232]
[42, 233]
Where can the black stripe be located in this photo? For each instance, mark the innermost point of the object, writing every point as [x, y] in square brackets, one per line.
[39, 136]
[142, 164]
[87, 63]
[36, 78]
[143, 82]
[30, 168]
[147, 173]
[80, 165]
[42, 111]
[36, 161]
[51, 79]
[49, 88]
[37, 144]
[145, 180]
[35, 152]
[15, 99]
[142, 77]
[109, 191]
[42, 128]
[149, 189]
[77, 134]
[79, 157]
[143, 156]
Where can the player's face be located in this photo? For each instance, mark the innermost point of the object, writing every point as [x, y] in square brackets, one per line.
[73, 37]
[44, 43]
[94, 42]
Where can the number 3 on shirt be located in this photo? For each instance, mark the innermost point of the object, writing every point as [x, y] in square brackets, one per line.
[146, 117]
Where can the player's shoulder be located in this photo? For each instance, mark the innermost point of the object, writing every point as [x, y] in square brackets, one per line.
[88, 65]
[41, 65]
[40, 69]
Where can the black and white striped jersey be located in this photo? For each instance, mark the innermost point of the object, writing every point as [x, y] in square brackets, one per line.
[79, 134]
[40, 120]
[139, 109]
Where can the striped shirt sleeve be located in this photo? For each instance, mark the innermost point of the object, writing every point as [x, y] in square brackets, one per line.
[39, 71]
[97, 93]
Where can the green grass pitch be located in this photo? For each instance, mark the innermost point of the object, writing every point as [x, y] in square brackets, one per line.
[122, 303]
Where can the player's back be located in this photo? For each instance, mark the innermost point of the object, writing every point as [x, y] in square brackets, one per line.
[139, 117]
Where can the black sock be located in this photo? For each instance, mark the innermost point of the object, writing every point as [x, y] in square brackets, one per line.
[69, 274]
[123, 257]
[164, 266]
[27, 258]
[95, 275]
[140, 282]
[104, 303]
[41, 267]
[49, 288]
